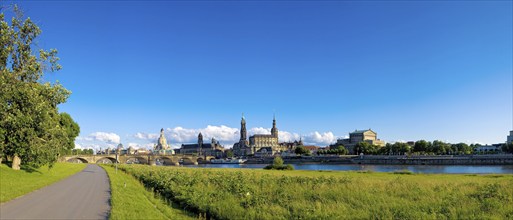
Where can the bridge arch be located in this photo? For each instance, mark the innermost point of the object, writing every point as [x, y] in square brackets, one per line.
[77, 160]
[137, 160]
[189, 160]
[166, 160]
[106, 160]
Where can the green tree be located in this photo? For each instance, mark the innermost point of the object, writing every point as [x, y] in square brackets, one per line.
[421, 146]
[508, 148]
[71, 128]
[301, 150]
[461, 148]
[278, 162]
[229, 153]
[341, 150]
[401, 148]
[366, 148]
[440, 147]
[30, 124]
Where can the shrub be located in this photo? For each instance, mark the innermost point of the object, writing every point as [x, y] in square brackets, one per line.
[278, 165]
[407, 172]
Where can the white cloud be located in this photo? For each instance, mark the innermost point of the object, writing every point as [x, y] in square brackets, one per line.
[221, 133]
[145, 136]
[110, 138]
[78, 146]
[259, 130]
[183, 135]
[320, 139]
[79, 138]
[140, 146]
[285, 136]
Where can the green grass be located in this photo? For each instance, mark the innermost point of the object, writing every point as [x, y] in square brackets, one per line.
[133, 201]
[15, 183]
[271, 194]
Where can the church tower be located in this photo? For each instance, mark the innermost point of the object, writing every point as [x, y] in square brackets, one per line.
[200, 143]
[243, 142]
[243, 133]
[200, 139]
[274, 130]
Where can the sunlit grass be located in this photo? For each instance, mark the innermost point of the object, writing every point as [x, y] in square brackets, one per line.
[269, 194]
[14, 183]
[133, 201]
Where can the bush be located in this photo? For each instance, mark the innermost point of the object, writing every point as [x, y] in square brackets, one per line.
[278, 165]
[408, 172]
[282, 167]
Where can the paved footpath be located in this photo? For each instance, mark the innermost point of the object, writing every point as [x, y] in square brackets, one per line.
[85, 195]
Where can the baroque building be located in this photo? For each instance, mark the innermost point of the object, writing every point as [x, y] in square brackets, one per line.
[358, 136]
[162, 147]
[203, 149]
[257, 142]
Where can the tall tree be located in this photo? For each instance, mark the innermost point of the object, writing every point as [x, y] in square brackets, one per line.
[32, 131]
[421, 146]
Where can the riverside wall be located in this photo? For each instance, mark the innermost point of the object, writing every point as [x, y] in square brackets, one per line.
[498, 159]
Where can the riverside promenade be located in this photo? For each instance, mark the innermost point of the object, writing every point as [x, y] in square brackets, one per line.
[85, 195]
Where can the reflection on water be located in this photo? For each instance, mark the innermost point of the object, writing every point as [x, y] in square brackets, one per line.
[505, 169]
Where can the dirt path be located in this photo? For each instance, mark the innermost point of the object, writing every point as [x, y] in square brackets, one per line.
[84, 195]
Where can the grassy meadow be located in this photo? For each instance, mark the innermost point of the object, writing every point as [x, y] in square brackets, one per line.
[133, 201]
[272, 194]
[15, 183]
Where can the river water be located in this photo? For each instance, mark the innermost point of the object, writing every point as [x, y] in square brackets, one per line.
[469, 169]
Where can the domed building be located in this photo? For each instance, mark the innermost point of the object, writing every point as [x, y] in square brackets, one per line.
[162, 147]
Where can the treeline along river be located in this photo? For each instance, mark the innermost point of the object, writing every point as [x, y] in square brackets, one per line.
[475, 169]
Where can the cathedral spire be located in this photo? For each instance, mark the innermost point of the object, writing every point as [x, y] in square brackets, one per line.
[243, 133]
[274, 130]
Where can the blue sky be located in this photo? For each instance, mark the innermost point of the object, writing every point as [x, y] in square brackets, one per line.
[408, 70]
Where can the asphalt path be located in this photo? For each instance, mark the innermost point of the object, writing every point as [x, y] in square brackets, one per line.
[85, 195]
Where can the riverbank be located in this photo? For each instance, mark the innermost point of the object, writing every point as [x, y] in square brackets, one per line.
[498, 159]
[263, 194]
[130, 200]
[421, 169]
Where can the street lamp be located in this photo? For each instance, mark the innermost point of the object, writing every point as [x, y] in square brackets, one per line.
[116, 162]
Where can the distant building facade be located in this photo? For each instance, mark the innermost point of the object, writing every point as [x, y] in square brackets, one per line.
[203, 149]
[489, 149]
[358, 136]
[290, 146]
[510, 137]
[258, 142]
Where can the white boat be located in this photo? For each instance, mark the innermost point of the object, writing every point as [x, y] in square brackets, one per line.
[227, 160]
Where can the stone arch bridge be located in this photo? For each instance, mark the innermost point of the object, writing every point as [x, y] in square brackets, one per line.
[139, 159]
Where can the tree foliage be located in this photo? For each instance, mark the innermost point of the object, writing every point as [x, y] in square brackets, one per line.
[508, 148]
[365, 148]
[278, 165]
[301, 150]
[337, 150]
[31, 127]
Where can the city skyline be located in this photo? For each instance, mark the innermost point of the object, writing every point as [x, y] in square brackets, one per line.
[408, 70]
